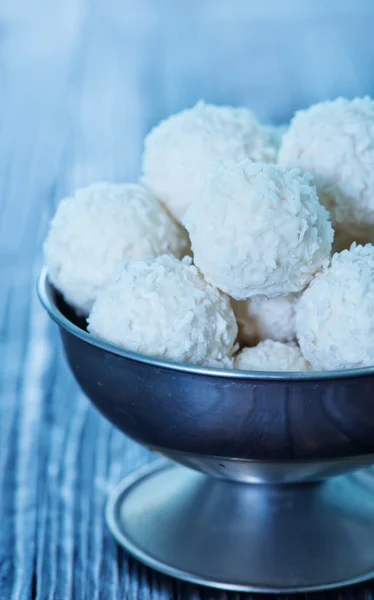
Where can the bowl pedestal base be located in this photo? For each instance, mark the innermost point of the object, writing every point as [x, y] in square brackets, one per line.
[247, 537]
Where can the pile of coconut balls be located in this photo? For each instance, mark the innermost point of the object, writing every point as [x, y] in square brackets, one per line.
[243, 246]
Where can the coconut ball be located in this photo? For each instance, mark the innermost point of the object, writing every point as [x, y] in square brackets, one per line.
[335, 315]
[99, 226]
[178, 151]
[335, 142]
[271, 356]
[163, 307]
[258, 229]
[266, 318]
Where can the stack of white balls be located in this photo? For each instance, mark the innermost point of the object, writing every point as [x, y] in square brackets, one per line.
[221, 256]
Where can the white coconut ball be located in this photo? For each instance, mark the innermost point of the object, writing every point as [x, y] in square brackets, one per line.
[164, 308]
[270, 355]
[266, 318]
[179, 150]
[334, 141]
[258, 229]
[335, 315]
[99, 226]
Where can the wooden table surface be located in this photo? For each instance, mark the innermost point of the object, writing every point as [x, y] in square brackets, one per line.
[81, 82]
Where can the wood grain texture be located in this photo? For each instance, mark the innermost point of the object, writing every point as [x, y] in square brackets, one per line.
[81, 82]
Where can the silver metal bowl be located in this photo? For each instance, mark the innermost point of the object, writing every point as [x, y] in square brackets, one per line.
[289, 431]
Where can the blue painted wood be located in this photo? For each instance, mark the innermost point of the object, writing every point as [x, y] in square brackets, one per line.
[81, 82]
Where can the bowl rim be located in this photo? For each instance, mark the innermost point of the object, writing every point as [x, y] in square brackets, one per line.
[45, 289]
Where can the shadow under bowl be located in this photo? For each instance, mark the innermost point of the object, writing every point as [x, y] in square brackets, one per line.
[246, 426]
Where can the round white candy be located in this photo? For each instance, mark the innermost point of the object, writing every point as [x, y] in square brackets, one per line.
[179, 150]
[335, 315]
[266, 318]
[164, 308]
[334, 141]
[99, 226]
[271, 356]
[258, 229]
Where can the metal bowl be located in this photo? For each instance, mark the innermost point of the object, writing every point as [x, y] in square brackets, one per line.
[233, 424]
[239, 426]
